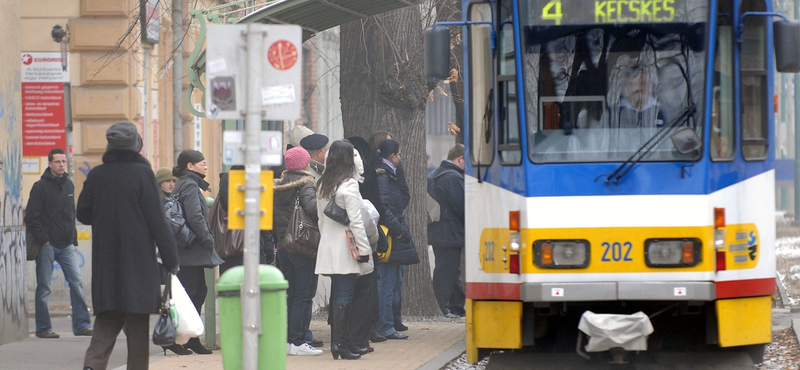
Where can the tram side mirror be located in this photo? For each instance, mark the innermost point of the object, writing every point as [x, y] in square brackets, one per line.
[786, 35]
[686, 140]
[437, 52]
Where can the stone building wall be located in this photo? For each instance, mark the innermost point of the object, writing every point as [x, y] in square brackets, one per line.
[13, 307]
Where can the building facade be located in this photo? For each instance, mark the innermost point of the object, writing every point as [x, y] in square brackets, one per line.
[13, 307]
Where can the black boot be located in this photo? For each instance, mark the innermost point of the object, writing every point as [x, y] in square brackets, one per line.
[339, 327]
[195, 345]
[357, 350]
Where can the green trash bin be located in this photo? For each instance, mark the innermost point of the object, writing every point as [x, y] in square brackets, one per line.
[272, 342]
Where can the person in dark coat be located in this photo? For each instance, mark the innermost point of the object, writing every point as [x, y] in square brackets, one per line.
[296, 183]
[120, 201]
[266, 239]
[447, 235]
[365, 304]
[200, 254]
[50, 218]
[390, 274]
[375, 140]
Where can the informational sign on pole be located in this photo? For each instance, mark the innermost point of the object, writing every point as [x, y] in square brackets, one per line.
[253, 71]
[43, 118]
[227, 72]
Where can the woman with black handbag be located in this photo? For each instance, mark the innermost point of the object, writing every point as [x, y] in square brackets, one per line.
[346, 244]
[295, 192]
[200, 254]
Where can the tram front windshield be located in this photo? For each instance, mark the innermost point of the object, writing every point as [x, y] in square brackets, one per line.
[603, 78]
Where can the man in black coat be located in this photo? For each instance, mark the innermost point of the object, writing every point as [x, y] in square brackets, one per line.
[120, 200]
[50, 217]
[447, 235]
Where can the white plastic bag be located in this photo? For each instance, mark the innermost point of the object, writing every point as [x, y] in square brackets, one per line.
[187, 321]
[607, 331]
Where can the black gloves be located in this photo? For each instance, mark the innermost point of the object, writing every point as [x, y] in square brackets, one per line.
[363, 259]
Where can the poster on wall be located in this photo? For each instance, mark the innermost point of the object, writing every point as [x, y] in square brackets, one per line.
[43, 118]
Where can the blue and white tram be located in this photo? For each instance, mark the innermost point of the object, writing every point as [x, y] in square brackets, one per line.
[620, 159]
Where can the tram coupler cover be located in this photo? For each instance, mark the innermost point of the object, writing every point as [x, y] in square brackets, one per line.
[607, 331]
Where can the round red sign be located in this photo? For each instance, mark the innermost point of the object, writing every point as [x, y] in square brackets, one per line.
[282, 55]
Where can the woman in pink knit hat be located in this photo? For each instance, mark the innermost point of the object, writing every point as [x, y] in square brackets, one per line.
[296, 183]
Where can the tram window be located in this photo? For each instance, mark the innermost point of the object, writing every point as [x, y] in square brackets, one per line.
[481, 140]
[753, 74]
[722, 118]
[508, 129]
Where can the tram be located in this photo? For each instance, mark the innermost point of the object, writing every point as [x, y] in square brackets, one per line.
[620, 159]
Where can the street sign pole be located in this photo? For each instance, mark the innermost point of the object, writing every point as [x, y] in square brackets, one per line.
[252, 71]
[251, 290]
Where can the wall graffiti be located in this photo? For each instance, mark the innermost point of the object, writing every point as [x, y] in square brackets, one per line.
[13, 258]
[12, 261]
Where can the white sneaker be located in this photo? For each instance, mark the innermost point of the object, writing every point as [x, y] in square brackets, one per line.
[288, 348]
[303, 350]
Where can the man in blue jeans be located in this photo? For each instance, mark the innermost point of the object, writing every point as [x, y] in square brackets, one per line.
[50, 216]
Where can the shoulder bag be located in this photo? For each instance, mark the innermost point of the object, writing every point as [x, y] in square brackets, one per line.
[227, 242]
[302, 234]
[176, 218]
[336, 213]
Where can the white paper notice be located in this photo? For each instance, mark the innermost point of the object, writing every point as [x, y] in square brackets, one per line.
[277, 94]
[30, 165]
[216, 66]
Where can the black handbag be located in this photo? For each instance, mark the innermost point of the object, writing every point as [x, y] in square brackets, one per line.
[164, 332]
[176, 218]
[302, 234]
[336, 213]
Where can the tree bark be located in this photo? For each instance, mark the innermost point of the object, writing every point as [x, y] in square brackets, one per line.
[383, 88]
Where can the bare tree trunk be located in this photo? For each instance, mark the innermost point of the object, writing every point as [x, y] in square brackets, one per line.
[383, 88]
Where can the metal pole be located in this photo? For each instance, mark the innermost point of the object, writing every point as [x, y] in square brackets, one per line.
[251, 290]
[796, 82]
[145, 98]
[177, 76]
[68, 128]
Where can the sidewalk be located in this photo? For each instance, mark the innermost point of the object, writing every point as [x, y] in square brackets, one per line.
[434, 344]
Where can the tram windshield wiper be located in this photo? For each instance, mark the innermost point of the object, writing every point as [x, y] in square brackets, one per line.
[640, 153]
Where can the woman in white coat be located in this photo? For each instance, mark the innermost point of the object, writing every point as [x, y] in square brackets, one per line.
[334, 257]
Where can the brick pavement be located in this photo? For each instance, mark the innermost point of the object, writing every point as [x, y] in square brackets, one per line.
[426, 342]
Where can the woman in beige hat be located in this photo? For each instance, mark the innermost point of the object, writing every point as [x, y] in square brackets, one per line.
[166, 181]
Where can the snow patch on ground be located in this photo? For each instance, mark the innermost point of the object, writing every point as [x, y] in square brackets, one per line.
[787, 247]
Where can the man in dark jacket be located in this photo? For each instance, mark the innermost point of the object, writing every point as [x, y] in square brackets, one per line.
[50, 216]
[120, 200]
[447, 235]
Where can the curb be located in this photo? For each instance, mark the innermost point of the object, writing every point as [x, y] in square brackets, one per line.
[449, 355]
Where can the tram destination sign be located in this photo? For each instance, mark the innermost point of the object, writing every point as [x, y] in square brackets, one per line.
[582, 12]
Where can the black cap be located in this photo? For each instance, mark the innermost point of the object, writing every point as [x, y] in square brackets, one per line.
[314, 141]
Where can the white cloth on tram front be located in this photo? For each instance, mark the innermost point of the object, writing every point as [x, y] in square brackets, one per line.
[607, 331]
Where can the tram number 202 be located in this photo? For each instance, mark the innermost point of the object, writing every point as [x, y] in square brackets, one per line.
[616, 252]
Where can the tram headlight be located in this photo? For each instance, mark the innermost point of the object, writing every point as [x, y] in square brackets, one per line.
[719, 239]
[672, 252]
[561, 254]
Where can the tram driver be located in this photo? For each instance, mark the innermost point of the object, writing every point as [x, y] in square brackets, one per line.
[636, 103]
